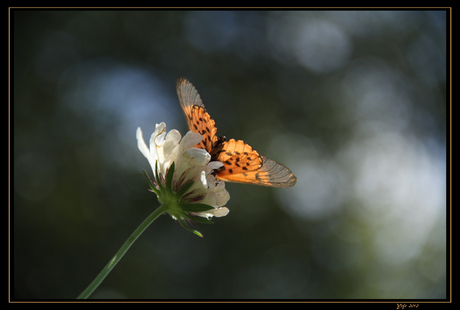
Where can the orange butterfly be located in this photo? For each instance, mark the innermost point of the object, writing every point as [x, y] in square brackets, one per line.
[242, 164]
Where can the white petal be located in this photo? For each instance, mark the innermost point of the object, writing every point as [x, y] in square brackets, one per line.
[222, 197]
[216, 199]
[170, 150]
[203, 179]
[199, 156]
[141, 143]
[218, 212]
[172, 140]
[159, 128]
[151, 157]
[217, 194]
[157, 138]
[190, 140]
[156, 146]
[215, 164]
[192, 158]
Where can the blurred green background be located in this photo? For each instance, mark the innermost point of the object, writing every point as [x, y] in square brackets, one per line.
[354, 102]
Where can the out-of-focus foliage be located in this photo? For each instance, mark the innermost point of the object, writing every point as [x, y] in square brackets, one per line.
[354, 102]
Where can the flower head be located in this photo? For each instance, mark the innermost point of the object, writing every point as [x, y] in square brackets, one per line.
[182, 176]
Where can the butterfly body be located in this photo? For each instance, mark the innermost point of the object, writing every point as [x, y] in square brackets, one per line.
[242, 163]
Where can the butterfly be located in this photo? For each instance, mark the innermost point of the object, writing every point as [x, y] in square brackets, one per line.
[242, 164]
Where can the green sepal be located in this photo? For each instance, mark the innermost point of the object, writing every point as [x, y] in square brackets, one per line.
[152, 186]
[201, 220]
[196, 207]
[184, 189]
[157, 178]
[196, 232]
[169, 177]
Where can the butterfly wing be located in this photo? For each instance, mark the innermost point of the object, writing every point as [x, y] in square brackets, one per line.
[198, 120]
[242, 164]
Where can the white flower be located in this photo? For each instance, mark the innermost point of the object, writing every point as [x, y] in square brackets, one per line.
[186, 199]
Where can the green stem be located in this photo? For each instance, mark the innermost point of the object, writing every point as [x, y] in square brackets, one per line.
[124, 248]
